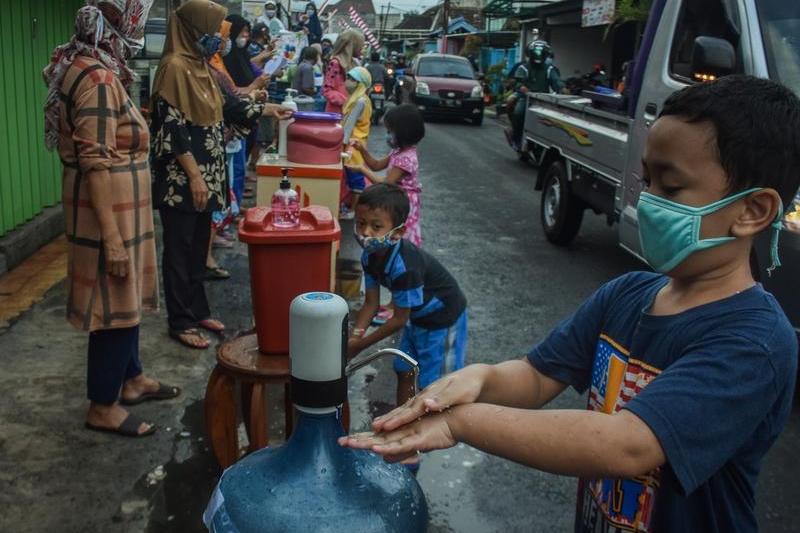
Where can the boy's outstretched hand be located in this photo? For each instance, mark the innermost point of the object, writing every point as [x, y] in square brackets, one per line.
[424, 435]
[463, 386]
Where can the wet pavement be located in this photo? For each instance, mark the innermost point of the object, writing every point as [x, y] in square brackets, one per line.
[480, 218]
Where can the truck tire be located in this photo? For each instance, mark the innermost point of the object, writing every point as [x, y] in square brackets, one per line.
[561, 213]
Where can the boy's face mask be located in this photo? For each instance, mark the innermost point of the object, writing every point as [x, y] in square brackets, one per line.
[669, 232]
[376, 244]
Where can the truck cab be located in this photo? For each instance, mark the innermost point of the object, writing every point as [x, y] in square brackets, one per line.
[589, 147]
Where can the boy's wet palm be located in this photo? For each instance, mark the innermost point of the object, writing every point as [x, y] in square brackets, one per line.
[458, 388]
[424, 435]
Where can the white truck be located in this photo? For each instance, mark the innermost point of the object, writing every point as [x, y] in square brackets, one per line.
[588, 148]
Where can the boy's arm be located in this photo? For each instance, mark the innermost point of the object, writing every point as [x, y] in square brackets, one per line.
[566, 442]
[514, 383]
[393, 325]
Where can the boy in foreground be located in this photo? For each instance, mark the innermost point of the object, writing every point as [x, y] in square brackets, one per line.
[690, 372]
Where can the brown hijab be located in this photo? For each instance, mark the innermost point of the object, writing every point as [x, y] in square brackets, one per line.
[183, 78]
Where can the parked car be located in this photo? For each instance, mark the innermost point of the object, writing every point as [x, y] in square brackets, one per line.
[444, 85]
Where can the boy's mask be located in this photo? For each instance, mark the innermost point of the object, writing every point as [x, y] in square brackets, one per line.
[669, 232]
[376, 244]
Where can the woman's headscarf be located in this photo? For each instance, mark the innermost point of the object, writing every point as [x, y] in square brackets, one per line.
[364, 79]
[97, 37]
[183, 78]
[238, 61]
[345, 48]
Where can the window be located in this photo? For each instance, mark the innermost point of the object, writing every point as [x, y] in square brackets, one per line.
[710, 18]
[780, 29]
[446, 68]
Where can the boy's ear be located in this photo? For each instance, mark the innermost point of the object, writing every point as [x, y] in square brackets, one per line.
[760, 210]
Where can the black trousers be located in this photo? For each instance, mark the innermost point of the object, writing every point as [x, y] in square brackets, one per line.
[186, 236]
[113, 360]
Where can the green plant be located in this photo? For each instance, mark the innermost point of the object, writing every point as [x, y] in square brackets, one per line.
[632, 11]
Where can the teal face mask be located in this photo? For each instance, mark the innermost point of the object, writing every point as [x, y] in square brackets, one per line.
[669, 232]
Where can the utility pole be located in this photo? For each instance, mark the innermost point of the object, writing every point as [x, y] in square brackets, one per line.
[445, 24]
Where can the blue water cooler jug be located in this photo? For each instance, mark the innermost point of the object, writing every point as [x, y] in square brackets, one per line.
[311, 484]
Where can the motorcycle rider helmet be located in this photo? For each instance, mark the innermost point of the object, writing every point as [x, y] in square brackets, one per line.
[539, 51]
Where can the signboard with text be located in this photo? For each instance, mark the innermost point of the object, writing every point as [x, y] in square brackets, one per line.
[597, 12]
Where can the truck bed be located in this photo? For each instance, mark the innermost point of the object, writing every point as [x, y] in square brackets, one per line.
[591, 137]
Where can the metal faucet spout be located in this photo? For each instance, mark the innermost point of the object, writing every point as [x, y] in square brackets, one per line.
[360, 362]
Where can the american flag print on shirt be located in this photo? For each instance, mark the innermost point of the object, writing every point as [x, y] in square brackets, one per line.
[617, 505]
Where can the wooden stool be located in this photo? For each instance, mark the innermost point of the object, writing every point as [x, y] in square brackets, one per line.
[238, 360]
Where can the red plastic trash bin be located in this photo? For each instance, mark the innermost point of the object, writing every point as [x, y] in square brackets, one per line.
[285, 263]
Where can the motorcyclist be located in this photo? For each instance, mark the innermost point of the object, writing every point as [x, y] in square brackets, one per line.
[376, 69]
[538, 75]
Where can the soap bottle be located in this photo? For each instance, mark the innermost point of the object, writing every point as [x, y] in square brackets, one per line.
[285, 204]
[284, 124]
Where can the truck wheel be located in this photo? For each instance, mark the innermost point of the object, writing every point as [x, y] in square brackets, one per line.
[561, 213]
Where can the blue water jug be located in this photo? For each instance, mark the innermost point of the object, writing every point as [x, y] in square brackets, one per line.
[311, 483]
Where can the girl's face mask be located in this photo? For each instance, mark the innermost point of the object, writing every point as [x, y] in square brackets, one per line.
[669, 232]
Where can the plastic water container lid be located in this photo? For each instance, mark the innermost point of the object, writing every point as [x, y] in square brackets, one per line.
[317, 115]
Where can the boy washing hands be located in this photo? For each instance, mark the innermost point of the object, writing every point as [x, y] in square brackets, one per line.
[690, 372]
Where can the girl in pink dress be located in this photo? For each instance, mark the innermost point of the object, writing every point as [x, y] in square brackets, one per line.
[405, 128]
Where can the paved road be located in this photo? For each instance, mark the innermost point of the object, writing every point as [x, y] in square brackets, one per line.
[480, 217]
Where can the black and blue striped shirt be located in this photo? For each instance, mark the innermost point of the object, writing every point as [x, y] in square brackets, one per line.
[417, 281]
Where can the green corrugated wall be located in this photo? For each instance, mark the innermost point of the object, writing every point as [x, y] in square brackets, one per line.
[30, 176]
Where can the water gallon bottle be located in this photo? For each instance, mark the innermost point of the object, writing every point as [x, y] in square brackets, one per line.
[285, 204]
[311, 483]
[284, 124]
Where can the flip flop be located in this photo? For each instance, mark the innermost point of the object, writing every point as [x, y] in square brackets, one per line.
[164, 392]
[217, 273]
[207, 324]
[179, 334]
[128, 428]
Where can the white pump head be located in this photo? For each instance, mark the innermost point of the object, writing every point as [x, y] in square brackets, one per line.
[318, 351]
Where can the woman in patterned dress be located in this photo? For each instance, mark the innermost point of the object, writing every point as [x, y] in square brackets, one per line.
[189, 115]
[103, 143]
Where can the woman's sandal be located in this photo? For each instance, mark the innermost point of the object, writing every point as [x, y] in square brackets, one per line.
[181, 337]
[164, 392]
[217, 273]
[129, 427]
[212, 325]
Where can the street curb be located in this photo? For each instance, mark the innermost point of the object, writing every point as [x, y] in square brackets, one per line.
[19, 244]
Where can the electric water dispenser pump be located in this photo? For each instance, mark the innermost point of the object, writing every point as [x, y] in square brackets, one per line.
[311, 483]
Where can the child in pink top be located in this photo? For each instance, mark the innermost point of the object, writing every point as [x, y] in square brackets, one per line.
[405, 128]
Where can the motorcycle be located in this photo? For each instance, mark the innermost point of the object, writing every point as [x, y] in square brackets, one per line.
[377, 96]
[390, 78]
[399, 73]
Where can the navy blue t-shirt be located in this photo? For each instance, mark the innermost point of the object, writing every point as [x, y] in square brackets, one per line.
[417, 281]
[714, 384]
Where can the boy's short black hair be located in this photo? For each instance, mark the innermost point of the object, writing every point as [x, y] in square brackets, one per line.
[310, 53]
[406, 123]
[388, 197]
[757, 125]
